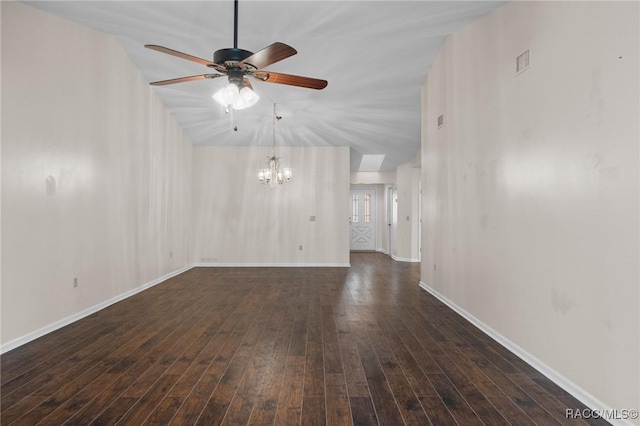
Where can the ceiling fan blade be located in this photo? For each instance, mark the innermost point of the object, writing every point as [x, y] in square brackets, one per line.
[186, 56]
[290, 80]
[184, 79]
[270, 55]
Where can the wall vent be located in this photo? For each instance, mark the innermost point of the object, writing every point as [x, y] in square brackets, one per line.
[522, 62]
[441, 121]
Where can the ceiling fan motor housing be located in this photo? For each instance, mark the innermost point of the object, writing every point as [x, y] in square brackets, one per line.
[231, 54]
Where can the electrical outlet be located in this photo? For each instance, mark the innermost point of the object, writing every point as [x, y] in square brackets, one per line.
[312, 218]
[300, 247]
[75, 282]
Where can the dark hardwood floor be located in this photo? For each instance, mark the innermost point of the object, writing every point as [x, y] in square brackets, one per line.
[261, 346]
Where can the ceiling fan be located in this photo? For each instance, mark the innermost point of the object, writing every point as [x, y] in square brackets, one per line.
[238, 65]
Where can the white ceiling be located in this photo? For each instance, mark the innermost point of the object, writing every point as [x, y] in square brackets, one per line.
[374, 54]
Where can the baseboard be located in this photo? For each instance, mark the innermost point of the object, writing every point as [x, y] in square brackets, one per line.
[576, 391]
[271, 265]
[93, 309]
[383, 251]
[404, 259]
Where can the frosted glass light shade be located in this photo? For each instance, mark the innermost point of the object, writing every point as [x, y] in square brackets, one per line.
[238, 99]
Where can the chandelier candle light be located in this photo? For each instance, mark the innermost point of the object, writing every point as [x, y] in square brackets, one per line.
[273, 175]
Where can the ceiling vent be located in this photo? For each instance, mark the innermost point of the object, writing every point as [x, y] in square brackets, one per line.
[522, 62]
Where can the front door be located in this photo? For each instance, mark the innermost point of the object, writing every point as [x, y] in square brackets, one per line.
[363, 220]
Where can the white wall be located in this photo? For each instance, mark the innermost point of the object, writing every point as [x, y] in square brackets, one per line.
[373, 178]
[531, 188]
[96, 176]
[406, 226]
[238, 221]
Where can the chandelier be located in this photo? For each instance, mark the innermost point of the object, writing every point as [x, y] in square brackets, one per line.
[273, 175]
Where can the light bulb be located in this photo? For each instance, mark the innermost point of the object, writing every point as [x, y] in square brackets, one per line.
[228, 95]
[246, 99]
[231, 94]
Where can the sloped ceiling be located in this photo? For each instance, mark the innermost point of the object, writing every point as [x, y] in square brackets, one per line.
[374, 54]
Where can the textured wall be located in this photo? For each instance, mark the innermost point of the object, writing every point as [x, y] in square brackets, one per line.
[407, 233]
[238, 221]
[531, 187]
[96, 178]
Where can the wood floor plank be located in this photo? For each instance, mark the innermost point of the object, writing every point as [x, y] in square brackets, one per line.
[208, 381]
[299, 338]
[266, 403]
[74, 404]
[354, 373]
[114, 413]
[222, 327]
[455, 402]
[278, 346]
[513, 391]
[242, 403]
[314, 369]
[107, 396]
[362, 411]
[219, 401]
[190, 410]
[26, 364]
[337, 401]
[46, 376]
[313, 412]
[408, 364]
[381, 394]
[510, 411]
[164, 411]
[406, 399]
[65, 380]
[437, 411]
[474, 374]
[145, 404]
[181, 320]
[476, 400]
[553, 405]
[265, 366]
[290, 399]
[331, 348]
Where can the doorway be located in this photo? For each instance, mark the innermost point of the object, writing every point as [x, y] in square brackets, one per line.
[362, 220]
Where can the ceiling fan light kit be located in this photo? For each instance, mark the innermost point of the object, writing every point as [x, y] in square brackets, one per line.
[236, 99]
[238, 65]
